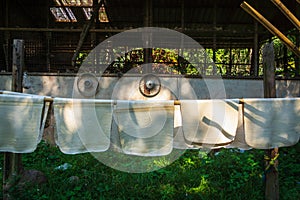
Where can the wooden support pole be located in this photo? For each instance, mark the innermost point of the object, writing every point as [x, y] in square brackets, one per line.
[48, 38]
[287, 13]
[85, 31]
[297, 59]
[6, 45]
[255, 52]
[148, 22]
[214, 36]
[271, 161]
[250, 10]
[13, 161]
[182, 15]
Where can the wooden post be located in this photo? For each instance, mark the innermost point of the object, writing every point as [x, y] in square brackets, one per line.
[148, 21]
[297, 59]
[48, 39]
[182, 15]
[6, 45]
[85, 30]
[214, 37]
[271, 161]
[255, 52]
[12, 161]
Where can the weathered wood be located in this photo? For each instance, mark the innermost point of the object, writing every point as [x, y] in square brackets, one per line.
[297, 59]
[250, 10]
[13, 161]
[148, 21]
[269, 70]
[72, 30]
[85, 31]
[271, 161]
[182, 15]
[255, 52]
[287, 13]
[148, 16]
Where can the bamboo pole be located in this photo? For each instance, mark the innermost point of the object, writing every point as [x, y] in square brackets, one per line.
[287, 13]
[250, 10]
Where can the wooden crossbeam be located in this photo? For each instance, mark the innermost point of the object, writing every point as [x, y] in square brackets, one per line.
[287, 13]
[268, 25]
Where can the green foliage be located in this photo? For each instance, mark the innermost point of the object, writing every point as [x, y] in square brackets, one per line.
[205, 62]
[226, 174]
[284, 59]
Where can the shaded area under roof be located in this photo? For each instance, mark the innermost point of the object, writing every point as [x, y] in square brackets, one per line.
[221, 21]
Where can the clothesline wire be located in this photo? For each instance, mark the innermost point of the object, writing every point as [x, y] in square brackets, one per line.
[176, 102]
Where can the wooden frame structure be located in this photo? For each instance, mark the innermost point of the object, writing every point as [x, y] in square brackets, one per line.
[214, 24]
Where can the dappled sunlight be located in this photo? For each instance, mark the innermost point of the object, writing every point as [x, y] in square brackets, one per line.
[50, 86]
[20, 123]
[69, 117]
[82, 125]
[271, 123]
[204, 187]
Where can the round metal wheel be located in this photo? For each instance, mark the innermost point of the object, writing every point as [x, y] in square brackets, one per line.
[87, 84]
[149, 85]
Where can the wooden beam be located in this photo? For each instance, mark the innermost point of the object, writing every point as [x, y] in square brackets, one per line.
[148, 13]
[287, 13]
[182, 15]
[74, 30]
[271, 161]
[297, 60]
[85, 31]
[269, 70]
[250, 10]
[209, 29]
[255, 50]
[13, 161]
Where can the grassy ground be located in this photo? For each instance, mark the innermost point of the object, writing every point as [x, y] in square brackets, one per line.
[228, 174]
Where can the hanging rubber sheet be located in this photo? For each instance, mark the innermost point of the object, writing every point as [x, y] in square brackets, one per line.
[21, 122]
[148, 127]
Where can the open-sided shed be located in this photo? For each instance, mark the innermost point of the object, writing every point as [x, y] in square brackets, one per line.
[52, 29]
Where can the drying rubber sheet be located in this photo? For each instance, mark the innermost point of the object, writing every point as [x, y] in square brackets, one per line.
[273, 122]
[82, 125]
[145, 128]
[21, 122]
[209, 123]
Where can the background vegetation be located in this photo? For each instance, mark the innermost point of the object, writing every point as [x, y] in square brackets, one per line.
[223, 61]
[226, 174]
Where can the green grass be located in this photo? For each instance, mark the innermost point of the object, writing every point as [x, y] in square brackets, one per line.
[229, 174]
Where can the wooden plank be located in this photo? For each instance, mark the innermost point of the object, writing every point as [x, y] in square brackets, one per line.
[250, 10]
[13, 161]
[271, 162]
